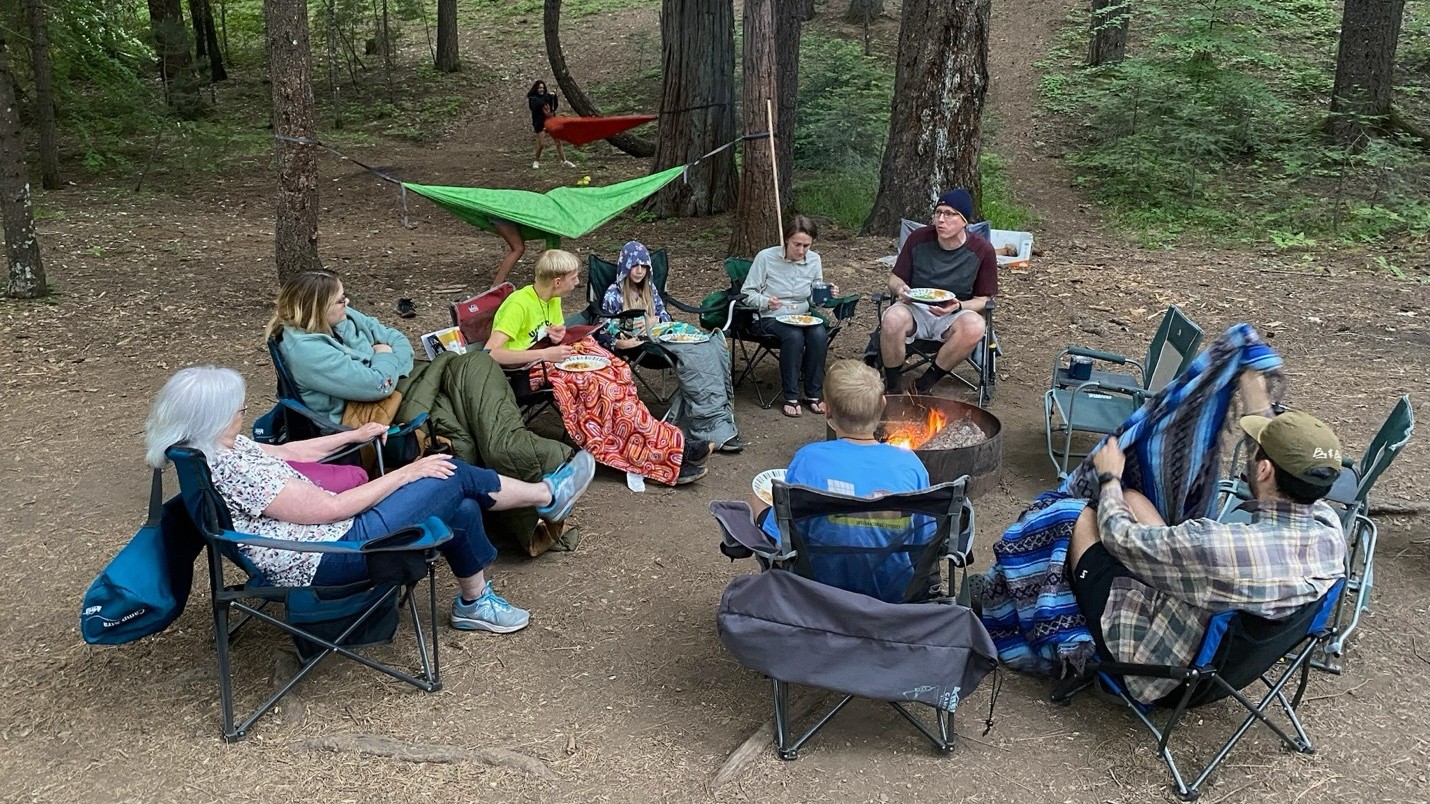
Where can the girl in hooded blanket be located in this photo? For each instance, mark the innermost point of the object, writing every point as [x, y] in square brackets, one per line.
[702, 407]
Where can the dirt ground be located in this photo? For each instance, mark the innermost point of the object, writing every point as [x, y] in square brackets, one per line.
[620, 686]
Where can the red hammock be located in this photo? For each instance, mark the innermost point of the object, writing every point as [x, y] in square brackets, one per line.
[581, 130]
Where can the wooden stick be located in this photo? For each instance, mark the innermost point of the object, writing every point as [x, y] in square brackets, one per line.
[775, 168]
[758, 743]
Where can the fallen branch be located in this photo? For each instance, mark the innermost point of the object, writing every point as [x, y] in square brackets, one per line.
[1407, 507]
[759, 742]
[380, 746]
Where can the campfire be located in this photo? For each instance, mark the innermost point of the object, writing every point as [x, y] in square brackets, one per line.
[912, 435]
[950, 437]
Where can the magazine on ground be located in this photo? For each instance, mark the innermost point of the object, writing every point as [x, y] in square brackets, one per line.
[448, 339]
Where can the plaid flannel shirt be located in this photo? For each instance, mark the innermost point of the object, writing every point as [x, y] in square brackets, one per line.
[1287, 556]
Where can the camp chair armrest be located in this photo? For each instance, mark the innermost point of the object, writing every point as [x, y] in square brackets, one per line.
[429, 534]
[730, 295]
[1098, 354]
[322, 423]
[1147, 670]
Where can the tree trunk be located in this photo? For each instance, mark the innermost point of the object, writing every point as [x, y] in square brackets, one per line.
[863, 12]
[210, 39]
[22, 248]
[44, 95]
[757, 222]
[296, 234]
[196, 18]
[1365, 64]
[575, 98]
[790, 17]
[697, 106]
[935, 123]
[333, 64]
[447, 60]
[1107, 43]
[171, 45]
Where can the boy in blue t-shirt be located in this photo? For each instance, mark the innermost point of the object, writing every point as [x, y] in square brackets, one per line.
[856, 464]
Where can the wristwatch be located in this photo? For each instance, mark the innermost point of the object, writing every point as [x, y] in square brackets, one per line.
[1103, 478]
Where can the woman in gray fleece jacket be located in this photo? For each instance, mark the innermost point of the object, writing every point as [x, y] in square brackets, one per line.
[780, 283]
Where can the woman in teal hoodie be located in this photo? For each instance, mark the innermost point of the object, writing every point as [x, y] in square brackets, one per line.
[338, 355]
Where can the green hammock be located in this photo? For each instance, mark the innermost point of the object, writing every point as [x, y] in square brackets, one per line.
[562, 212]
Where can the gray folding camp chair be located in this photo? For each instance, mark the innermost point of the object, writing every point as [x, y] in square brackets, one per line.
[1351, 493]
[852, 600]
[1082, 398]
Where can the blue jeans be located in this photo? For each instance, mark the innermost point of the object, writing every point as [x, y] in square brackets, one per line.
[457, 501]
[802, 352]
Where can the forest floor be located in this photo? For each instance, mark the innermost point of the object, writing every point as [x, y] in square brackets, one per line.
[620, 686]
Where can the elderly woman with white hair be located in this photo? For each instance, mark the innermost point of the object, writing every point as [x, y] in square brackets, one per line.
[203, 408]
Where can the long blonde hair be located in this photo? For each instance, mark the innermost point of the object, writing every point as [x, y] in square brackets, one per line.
[303, 302]
[638, 296]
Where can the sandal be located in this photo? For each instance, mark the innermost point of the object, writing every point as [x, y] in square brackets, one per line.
[792, 404]
[815, 406]
[406, 309]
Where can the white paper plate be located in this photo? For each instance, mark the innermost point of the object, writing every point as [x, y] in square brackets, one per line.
[764, 482]
[579, 363]
[683, 337]
[800, 320]
[931, 295]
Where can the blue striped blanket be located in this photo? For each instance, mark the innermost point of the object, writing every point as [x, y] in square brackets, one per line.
[1173, 447]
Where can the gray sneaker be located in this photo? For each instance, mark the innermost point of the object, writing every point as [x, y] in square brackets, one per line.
[567, 484]
[490, 612]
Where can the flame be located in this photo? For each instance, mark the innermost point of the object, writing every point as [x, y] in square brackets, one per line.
[912, 435]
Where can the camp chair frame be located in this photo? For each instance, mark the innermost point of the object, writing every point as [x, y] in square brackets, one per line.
[1101, 403]
[755, 347]
[952, 544]
[410, 552]
[983, 360]
[1215, 673]
[300, 422]
[1351, 493]
[473, 316]
[650, 355]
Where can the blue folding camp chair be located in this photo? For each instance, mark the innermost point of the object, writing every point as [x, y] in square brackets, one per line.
[1238, 651]
[323, 621]
[854, 611]
[1351, 493]
[921, 352]
[1084, 399]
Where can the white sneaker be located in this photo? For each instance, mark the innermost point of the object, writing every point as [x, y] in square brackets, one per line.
[535, 165]
[568, 163]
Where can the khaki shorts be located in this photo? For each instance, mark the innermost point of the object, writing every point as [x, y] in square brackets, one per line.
[930, 327]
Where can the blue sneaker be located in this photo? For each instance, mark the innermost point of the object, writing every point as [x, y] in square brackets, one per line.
[567, 484]
[490, 612]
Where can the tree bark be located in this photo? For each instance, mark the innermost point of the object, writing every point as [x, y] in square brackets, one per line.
[447, 60]
[1365, 64]
[1107, 42]
[210, 40]
[296, 233]
[697, 106]
[935, 124]
[580, 104]
[44, 95]
[790, 17]
[757, 219]
[864, 12]
[22, 247]
[171, 46]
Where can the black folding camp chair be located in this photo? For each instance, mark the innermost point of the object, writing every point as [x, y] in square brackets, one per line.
[1098, 401]
[1351, 494]
[292, 420]
[473, 318]
[866, 613]
[1239, 650]
[983, 361]
[650, 356]
[754, 346]
[323, 621]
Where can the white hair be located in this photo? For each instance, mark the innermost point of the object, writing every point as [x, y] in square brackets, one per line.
[193, 408]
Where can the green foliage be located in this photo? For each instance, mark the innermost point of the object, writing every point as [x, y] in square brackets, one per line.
[845, 198]
[844, 101]
[1214, 124]
[997, 204]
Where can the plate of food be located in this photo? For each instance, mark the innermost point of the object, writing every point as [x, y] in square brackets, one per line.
[800, 320]
[931, 295]
[662, 328]
[678, 336]
[580, 363]
[764, 483]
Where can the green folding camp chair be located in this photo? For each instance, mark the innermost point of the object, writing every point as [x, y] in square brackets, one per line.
[755, 347]
[1081, 398]
[1351, 493]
